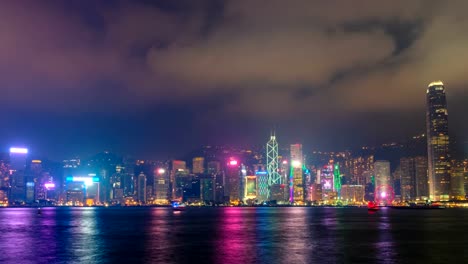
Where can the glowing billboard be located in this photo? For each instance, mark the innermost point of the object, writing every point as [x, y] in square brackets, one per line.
[250, 187]
[87, 180]
[18, 150]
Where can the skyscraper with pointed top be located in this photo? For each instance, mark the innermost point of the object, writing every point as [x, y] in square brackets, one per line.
[437, 142]
[274, 178]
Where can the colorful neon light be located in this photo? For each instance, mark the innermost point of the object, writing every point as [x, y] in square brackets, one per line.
[49, 185]
[296, 163]
[88, 181]
[337, 179]
[161, 171]
[233, 162]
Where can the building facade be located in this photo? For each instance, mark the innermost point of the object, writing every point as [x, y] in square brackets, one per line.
[437, 142]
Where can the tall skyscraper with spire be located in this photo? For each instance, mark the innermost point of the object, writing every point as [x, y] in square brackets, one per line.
[437, 142]
[274, 178]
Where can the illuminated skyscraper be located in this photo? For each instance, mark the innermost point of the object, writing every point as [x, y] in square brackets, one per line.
[437, 142]
[233, 181]
[179, 180]
[161, 186]
[413, 178]
[214, 167]
[457, 181]
[407, 178]
[296, 177]
[274, 178]
[420, 164]
[198, 165]
[142, 188]
[262, 183]
[17, 170]
[383, 181]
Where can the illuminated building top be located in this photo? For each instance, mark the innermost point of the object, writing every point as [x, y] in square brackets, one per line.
[18, 150]
[436, 83]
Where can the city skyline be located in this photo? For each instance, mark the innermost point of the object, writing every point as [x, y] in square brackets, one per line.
[233, 131]
[138, 76]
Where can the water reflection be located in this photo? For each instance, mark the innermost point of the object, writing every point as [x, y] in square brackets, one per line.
[158, 248]
[296, 236]
[236, 237]
[231, 235]
[80, 232]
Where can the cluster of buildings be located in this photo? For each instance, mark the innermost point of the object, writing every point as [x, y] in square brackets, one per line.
[228, 176]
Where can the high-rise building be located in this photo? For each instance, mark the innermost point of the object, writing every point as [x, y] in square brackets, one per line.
[407, 178]
[161, 186]
[383, 181]
[180, 179]
[17, 170]
[296, 183]
[352, 193]
[274, 178]
[141, 188]
[250, 191]
[207, 187]
[262, 186]
[327, 178]
[198, 165]
[437, 142]
[457, 178]
[214, 167]
[421, 188]
[232, 181]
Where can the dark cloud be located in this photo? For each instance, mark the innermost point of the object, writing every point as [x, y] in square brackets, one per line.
[233, 60]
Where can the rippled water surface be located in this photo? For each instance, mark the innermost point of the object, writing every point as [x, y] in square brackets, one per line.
[232, 235]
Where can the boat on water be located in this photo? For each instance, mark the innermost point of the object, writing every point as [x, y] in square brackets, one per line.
[178, 206]
[372, 206]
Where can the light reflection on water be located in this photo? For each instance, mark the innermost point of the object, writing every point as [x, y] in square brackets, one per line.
[231, 235]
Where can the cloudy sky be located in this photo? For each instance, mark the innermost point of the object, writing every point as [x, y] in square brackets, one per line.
[158, 78]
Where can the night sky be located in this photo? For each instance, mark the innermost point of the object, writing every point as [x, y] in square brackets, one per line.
[155, 79]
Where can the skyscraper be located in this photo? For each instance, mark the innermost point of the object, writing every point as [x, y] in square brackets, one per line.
[383, 181]
[262, 186]
[232, 181]
[17, 170]
[179, 180]
[457, 178]
[161, 186]
[296, 178]
[274, 178]
[198, 165]
[420, 164]
[407, 178]
[437, 142]
[142, 188]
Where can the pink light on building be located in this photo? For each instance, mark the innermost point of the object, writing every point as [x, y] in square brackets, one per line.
[233, 162]
[49, 185]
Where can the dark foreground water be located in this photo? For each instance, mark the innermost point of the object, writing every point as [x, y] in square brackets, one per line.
[232, 235]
